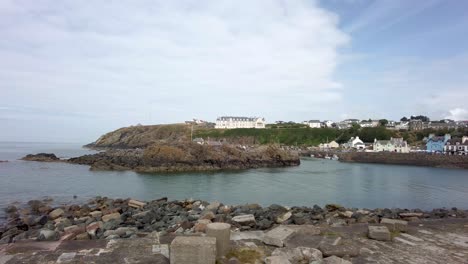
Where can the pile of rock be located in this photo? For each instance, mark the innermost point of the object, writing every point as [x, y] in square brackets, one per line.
[104, 218]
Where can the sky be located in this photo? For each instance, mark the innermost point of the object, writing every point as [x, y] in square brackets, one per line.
[71, 71]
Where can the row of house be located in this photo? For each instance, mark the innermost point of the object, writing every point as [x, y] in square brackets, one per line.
[231, 122]
[447, 144]
[393, 145]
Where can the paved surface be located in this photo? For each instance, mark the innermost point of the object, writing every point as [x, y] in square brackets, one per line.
[425, 242]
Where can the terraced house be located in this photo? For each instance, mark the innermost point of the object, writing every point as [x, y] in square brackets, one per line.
[231, 122]
[457, 146]
[392, 145]
[436, 144]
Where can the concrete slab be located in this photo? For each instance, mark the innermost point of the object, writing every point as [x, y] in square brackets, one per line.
[66, 257]
[277, 236]
[193, 250]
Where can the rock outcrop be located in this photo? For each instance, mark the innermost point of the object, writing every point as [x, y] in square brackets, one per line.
[41, 157]
[187, 156]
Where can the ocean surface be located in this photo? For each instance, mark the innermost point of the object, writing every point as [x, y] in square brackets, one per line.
[313, 182]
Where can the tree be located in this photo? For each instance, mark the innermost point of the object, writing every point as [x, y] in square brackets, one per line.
[383, 122]
[420, 117]
[404, 119]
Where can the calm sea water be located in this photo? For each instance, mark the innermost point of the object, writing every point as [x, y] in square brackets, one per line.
[313, 182]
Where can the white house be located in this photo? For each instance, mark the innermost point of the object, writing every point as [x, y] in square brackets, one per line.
[313, 123]
[328, 123]
[372, 123]
[354, 142]
[330, 145]
[230, 122]
[392, 145]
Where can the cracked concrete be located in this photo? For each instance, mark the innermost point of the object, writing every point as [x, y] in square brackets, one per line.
[431, 242]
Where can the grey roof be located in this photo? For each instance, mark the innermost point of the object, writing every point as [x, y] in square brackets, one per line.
[314, 121]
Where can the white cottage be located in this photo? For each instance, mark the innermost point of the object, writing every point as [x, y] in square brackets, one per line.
[392, 145]
[354, 142]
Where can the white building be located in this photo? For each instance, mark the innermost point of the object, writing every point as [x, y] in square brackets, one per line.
[230, 122]
[328, 123]
[313, 123]
[392, 145]
[372, 123]
[457, 146]
[330, 145]
[354, 142]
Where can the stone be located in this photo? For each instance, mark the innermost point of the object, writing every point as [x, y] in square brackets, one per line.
[56, 213]
[277, 236]
[283, 217]
[126, 231]
[75, 229]
[48, 235]
[161, 249]
[136, 204]
[66, 257]
[193, 250]
[395, 225]
[213, 206]
[108, 217]
[333, 260]
[222, 233]
[299, 254]
[277, 260]
[380, 233]
[244, 219]
[82, 236]
[347, 214]
[95, 214]
[411, 214]
[209, 215]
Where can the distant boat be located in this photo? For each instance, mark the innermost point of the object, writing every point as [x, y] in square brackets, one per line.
[335, 157]
[327, 157]
[312, 155]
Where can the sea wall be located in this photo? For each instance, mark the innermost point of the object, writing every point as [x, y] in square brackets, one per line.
[416, 159]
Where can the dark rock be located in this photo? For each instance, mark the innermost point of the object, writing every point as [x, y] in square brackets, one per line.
[11, 209]
[45, 157]
[264, 224]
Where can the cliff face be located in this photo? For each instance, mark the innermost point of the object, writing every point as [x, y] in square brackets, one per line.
[188, 156]
[142, 136]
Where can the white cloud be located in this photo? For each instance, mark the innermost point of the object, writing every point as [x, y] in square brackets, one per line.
[128, 60]
[458, 114]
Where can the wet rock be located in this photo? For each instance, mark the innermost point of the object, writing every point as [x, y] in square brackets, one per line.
[11, 209]
[44, 157]
[333, 207]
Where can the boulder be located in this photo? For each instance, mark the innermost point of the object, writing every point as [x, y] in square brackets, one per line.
[56, 213]
[108, 217]
[244, 219]
[380, 233]
[283, 217]
[75, 229]
[95, 214]
[48, 235]
[213, 206]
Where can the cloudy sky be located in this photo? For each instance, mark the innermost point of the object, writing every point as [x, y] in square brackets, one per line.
[73, 70]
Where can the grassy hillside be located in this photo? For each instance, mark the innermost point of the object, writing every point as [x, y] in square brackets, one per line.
[144, 136]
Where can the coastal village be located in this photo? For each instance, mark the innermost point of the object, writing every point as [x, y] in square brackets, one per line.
[433, 144]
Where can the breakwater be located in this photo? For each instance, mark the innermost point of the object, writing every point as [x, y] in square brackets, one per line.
[415, 159]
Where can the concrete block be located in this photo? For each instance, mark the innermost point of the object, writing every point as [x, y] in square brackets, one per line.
[244, 219]
[222, 233]
[395, 225]
[379, 233]
[277, 236]
[136, 204]
[193, 250]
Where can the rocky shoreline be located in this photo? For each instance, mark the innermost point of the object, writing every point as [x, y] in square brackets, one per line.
[105, 218]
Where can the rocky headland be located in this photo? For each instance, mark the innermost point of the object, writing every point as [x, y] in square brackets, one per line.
[43, 157]
[331, 231]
